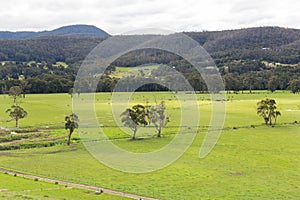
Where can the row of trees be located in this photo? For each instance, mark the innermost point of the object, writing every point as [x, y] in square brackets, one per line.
[140, 115]
[37, 77]
[24, 70]
[262, 81]
[241, 75]
[233, 82]
[43, 84]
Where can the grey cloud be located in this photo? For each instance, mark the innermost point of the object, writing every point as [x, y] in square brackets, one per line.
[117, 16]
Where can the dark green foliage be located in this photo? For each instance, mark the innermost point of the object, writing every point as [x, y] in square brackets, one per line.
[16, 113]
[267, 109]
[15, 92]
[39, 77]
[273, 84]
[294, 85]
[71, 123]
[145, 56]
[106, 84]
[232, 82]
[69, 49]
[135, 117]
[272, 44]
[71, 92]
[158, 117]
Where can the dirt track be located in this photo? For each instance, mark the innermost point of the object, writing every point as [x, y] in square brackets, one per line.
[75, 185]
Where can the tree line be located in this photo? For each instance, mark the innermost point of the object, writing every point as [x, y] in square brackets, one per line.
[281, 78]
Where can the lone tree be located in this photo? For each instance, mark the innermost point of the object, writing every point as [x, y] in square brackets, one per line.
[15, 92]
[71, 124]
[16, 113]
[157, 115]
[273, 84]
[25, 86]
[294, 85]
[134, 117]
[267, 109]
[71, 91]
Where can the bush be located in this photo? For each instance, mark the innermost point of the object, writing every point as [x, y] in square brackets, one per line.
[31, 145]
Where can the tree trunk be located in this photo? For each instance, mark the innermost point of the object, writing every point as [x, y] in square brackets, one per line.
[69, 138]
[270, 118]
[17, 122]
[158, 132]
[266, 120]
[134, 133]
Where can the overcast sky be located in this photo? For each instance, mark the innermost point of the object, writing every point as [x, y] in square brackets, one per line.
[118, 16]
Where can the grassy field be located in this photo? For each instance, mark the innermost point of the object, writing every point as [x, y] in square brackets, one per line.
[17, 188]
[247, 163]
[126, 71]
[63, 64]
[43, 110]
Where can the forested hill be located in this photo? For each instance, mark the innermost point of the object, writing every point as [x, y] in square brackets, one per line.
[272, 44]
[253, 58]
[72, 30]
[69, 49]
[263, 37]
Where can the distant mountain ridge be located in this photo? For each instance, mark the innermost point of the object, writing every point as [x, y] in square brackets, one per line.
[270, 44]
[72, 30]
[248, 38]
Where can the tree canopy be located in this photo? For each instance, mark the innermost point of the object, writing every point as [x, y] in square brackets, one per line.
[267, 109]
[16, 113]
[134, 117]
[158, 117]
[71, 123]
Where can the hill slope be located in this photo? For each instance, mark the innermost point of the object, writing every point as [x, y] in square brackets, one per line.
[262, 37]
[271, 44]
[73, 30]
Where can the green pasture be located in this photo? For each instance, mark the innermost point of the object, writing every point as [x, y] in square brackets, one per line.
[255, 162]
[126, 71]
[63, 64]
[43, 110]
[17, 188]
[50, 109]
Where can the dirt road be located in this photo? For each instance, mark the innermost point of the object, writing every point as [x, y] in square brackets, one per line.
[75, 185]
